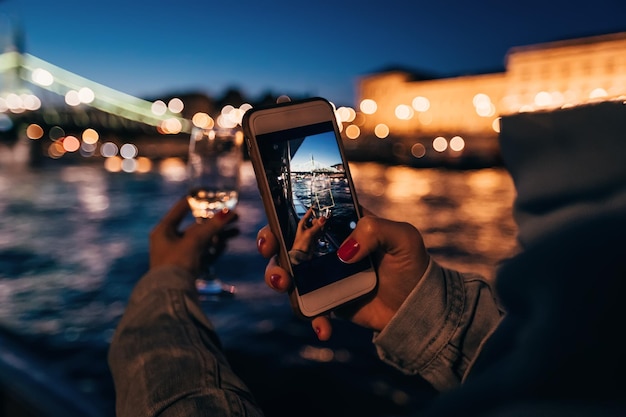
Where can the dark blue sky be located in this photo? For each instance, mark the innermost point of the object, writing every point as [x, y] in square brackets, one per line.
[321, 148]
[301, 48]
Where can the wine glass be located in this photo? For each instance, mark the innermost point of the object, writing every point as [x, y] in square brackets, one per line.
[213, 168]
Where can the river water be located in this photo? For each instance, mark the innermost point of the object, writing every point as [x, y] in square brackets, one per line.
[74, 240]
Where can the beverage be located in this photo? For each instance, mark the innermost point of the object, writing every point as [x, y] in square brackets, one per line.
[213, 169]
[205, 203]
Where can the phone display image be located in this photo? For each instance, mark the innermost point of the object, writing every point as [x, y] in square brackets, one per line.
[310, 201]
[305, 172]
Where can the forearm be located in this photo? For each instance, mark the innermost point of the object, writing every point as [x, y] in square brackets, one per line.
[165, 357]
[440, 328]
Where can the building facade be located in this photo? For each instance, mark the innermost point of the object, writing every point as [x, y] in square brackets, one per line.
[411, 119]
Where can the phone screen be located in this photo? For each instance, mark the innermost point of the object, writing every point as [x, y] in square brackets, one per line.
[305, 170]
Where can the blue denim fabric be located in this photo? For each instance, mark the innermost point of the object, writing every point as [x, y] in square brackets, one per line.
[440, 328]
[166, 359]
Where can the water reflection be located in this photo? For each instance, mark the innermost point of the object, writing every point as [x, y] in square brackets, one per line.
[68, 235]
[465, 216]
[74, 240]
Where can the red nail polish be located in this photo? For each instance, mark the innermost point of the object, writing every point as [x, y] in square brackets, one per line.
[275, 280]
[260, 243]
[318, 330]
[347, 251]
[222, 213]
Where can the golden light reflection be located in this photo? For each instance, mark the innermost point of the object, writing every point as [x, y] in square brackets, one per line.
[440, 144]
[543, 77]
[404, 182]
[420, 104]
[543, 99]
[381, 131]
[173, 169]
[34, 131]
[113, 164]
[353, 131]
[403, 112]
[481, 100]
[231, 116]
[346, 114]
[486, 185]
[239, 138]
[369, 177]
[484, 182]
[597, 93]
[90, 136]
[457, 143]
[359, 119]
[495, 125]
[425, 118]
[71, 144]
[144, 164]
[368, 106]
[171, 126]
[55, 150]
[203, 120]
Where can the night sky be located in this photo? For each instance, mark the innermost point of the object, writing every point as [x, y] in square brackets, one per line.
[290, 47]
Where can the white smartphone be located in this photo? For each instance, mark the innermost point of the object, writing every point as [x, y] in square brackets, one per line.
[302, 174]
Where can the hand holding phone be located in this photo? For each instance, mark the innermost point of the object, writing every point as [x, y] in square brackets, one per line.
[310, 201]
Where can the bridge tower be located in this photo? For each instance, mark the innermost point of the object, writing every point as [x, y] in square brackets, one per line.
[11, 48]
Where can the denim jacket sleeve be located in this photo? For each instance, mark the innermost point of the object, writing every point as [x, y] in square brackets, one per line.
[440, 328]
[166, 359]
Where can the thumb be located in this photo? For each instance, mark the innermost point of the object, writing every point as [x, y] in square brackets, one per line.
[374, 233]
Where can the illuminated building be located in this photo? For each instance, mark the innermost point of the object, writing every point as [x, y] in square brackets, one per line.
[405, 116]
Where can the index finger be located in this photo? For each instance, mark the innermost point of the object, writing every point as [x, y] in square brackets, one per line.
[172, 219]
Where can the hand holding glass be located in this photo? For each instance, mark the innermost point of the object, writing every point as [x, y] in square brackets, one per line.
[214, 166]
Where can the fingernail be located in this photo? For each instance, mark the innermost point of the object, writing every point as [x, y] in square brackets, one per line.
[347, 251]
[322, 220]
[318, 330]
[222, 213]
[275, 280]
[260, 243]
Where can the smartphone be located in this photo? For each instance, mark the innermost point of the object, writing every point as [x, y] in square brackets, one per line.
[302, 174]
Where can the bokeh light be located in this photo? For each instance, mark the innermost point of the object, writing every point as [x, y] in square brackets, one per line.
[440, 144]
[108, 149]
[90, 136]
[159, 108]
[352, 131]
[368, 106]
[175, 105]
[381, 130]
[34, 131]
[71, 144]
